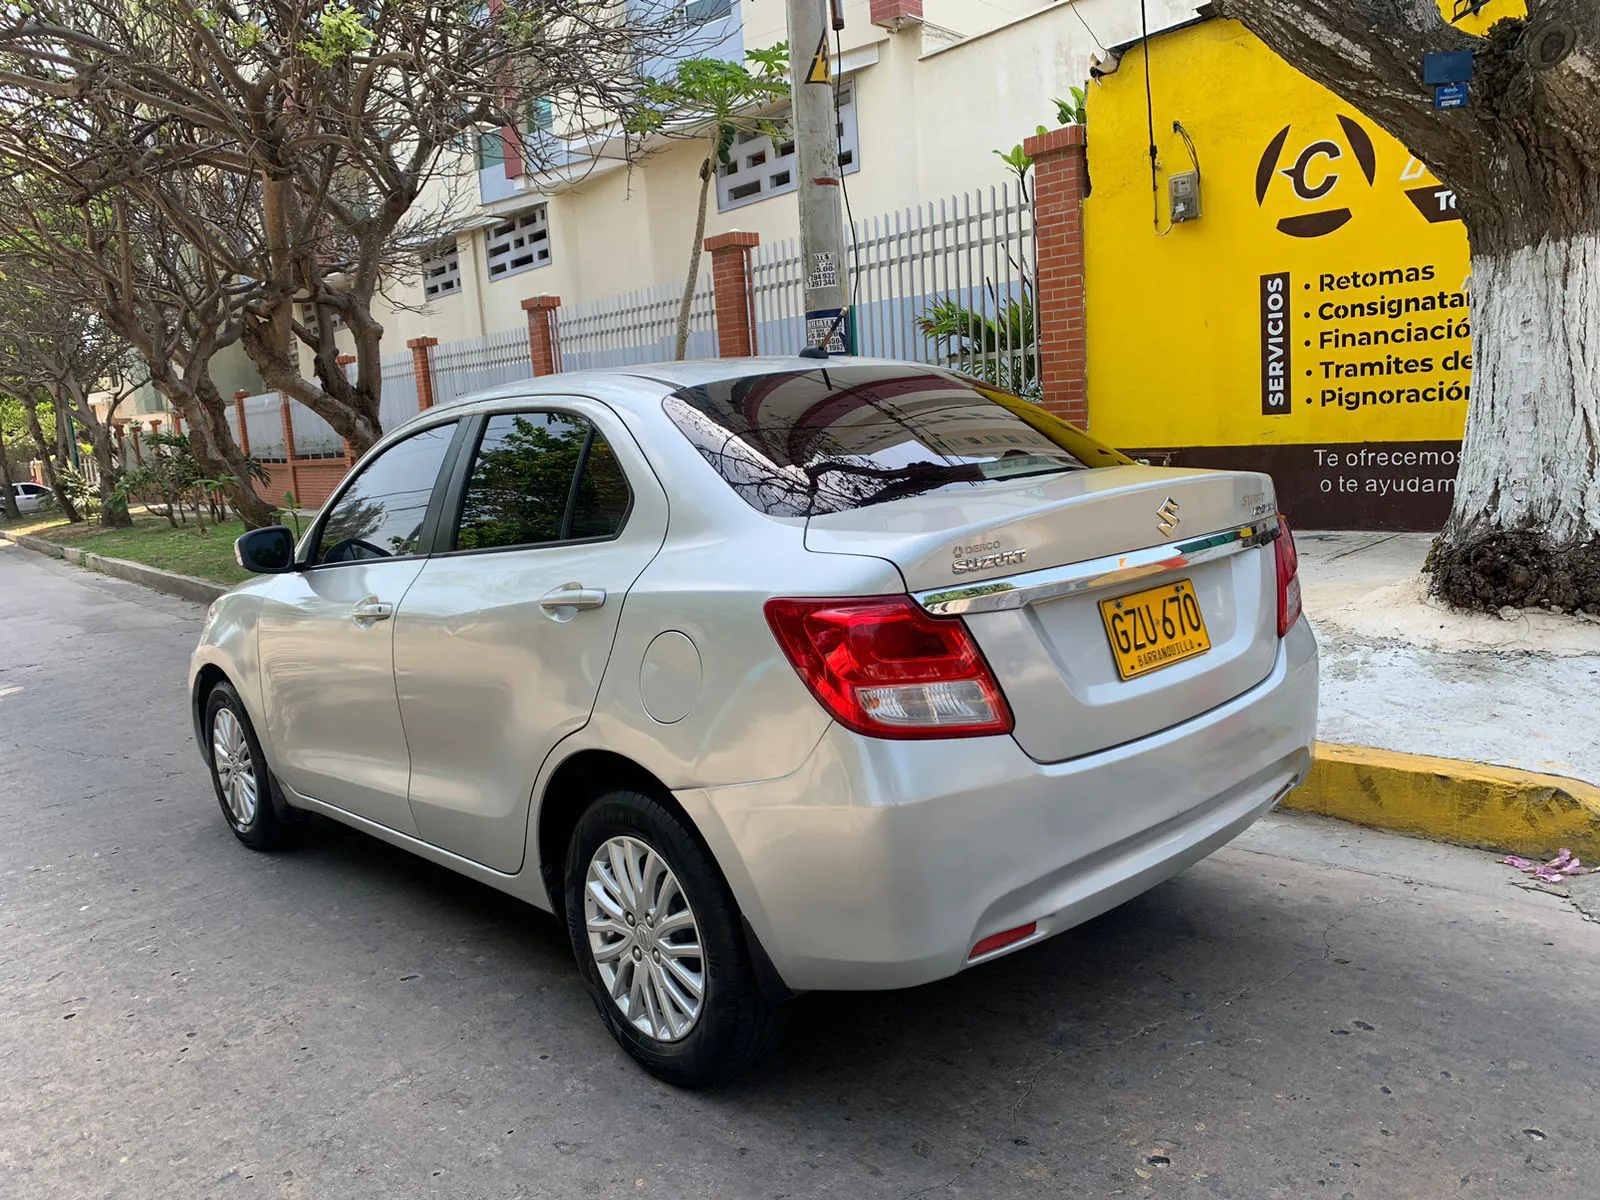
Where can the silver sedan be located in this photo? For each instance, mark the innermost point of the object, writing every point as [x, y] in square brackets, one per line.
[767, 676]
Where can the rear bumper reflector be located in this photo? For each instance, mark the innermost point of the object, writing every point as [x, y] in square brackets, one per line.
[999, 941]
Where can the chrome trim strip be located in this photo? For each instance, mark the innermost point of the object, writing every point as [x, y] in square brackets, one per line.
[1018, 591]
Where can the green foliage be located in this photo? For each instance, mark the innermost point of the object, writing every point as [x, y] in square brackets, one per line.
[341, 32]
[84, 496]
[997, 349]
[518, 491]
[1073, 111]
[291, 510]
[172, 484]
[712, 92]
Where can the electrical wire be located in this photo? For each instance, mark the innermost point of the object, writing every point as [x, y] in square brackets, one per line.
[1098, 43]
[1150, 116]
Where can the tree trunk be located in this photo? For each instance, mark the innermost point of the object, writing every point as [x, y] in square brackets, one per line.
[47, 461]
[708, 172]
[1524, 529]
[211, 440]
[351, 408]
[210, 421]
[113, 503]
[8, 499]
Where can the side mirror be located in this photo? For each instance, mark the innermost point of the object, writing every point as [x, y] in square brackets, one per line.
[268, 551]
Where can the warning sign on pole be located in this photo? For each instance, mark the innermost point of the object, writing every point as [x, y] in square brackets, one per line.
[819, 72]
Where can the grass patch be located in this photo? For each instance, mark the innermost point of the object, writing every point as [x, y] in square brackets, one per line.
[152, 541]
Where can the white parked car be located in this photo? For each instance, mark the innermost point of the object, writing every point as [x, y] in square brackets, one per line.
[767, 675]
[32, 497]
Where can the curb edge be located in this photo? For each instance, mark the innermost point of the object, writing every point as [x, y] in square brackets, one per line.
[1452, 800]
[187, 587]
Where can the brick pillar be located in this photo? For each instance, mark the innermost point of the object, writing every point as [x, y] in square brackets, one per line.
[422, 368]
[288, 448]
[894, 14]
[238, 413]
[542, 345]
[155, 425]
[732, 292]
[1060, 183]
[138, 451]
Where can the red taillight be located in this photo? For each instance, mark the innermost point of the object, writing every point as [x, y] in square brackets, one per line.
[999, 941]
[882, 666]
[1288, 578]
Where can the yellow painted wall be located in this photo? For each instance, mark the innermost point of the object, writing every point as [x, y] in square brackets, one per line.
[1307, 205]
[1475, 16]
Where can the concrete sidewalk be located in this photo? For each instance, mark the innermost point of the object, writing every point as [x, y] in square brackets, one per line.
[1401, 673]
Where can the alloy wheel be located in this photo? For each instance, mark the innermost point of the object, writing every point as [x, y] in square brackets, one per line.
[644, 938]
[236, 772]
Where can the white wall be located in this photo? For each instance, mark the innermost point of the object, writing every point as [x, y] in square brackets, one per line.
[928, 125]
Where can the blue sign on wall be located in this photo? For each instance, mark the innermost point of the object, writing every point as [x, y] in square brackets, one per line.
[1455, 67]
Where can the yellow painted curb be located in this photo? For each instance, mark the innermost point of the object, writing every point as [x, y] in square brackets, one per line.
[1469, 804]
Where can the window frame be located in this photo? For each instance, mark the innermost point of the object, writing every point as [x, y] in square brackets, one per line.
[541, 211]
[445, 257]
[455, 503]
[747, 143]
[427, 540]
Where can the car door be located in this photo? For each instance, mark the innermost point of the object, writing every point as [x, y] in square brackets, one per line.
[325, 636]
[501, 642]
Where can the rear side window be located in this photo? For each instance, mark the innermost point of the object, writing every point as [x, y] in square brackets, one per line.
[830, 439]
[541, 477]
[380, 514]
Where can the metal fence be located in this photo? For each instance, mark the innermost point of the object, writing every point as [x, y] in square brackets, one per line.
[473, 364]
[636, 327]
[263, 417]
[950, 282]
[398, 400]
[313, 437]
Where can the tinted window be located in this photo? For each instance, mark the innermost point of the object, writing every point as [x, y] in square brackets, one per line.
[380, 514]
[836, 438]
[603, 498]
[520, 490]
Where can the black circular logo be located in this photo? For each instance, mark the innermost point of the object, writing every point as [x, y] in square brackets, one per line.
[1314, 174]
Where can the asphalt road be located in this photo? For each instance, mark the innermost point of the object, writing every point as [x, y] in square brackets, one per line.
[1314, 1012]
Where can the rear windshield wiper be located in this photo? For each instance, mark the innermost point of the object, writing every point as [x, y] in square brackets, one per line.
[899, 482]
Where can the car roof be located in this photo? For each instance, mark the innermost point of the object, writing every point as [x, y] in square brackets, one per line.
[652, 380]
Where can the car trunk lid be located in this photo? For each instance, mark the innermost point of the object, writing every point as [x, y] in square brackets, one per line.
[1028, 562]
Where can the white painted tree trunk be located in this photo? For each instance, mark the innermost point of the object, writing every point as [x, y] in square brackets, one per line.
[1531, 459]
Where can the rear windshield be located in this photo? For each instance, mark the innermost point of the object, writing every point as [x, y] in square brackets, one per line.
[830, 439]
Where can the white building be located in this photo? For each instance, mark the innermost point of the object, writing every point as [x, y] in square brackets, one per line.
[927, 102]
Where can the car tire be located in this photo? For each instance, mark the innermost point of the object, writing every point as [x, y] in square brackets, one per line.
[737, 1020]
[239, 774]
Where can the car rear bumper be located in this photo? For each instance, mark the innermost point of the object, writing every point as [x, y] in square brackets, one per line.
[880, 864]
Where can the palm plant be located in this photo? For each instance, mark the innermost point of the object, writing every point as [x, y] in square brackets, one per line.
[995, 343]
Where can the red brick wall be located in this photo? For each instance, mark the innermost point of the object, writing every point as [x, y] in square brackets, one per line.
[312, 481]
[730, 280]
[1061, 181]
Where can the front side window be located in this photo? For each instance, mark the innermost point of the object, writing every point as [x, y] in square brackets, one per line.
[380, 514]
[831, 439]
[520, 491]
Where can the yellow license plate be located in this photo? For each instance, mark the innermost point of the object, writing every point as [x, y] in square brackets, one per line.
[1154, 628]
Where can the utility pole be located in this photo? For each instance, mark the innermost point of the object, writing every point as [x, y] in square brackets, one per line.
[816, 135]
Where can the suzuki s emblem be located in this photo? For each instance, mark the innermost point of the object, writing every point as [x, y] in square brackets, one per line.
[1167, 518]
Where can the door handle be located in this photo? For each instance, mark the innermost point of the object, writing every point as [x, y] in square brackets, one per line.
[573, 595]
[370, 610]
